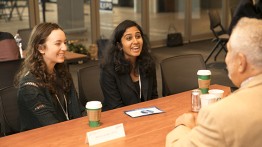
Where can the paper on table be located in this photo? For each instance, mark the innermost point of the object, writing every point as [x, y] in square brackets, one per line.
[105, 134]
[143, 111]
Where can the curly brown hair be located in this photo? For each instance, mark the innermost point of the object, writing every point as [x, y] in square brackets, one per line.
[34, 62]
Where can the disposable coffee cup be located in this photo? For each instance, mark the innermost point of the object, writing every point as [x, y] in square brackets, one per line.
[218, 92]
[93, 109]
[207, 99]
[204, 78]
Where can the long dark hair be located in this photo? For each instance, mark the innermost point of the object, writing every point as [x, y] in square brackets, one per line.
[115, 55]
[34, 62]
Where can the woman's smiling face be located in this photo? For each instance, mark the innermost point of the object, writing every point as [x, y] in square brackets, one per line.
[54, 48]
[132, 42]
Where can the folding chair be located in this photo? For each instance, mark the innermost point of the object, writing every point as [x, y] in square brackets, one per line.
[221, 36]
[3, 7]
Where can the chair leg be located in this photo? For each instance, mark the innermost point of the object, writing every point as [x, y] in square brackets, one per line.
[3, 14]
[222, 48]
[218, 53]
[213, 50]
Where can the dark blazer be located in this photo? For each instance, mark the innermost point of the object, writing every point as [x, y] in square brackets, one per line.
[245, 8]
[36, 106]
[258, 6]
[119, 90]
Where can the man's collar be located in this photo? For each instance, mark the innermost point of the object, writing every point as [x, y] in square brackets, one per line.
[254, 80]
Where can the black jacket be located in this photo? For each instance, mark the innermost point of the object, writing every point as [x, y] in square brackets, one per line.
[245, 8]
[119, 90]
[36, 106]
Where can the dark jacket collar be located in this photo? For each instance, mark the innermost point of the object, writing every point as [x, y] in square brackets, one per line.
[144, 84]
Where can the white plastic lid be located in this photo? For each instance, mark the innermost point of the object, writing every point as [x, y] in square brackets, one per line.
[93, 105]
[203, 72]
[214, 91]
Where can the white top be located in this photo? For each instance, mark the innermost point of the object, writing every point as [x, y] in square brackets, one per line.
[93, 105]
[203, 72]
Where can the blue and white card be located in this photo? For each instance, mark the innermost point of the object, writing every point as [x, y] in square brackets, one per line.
[144, 111]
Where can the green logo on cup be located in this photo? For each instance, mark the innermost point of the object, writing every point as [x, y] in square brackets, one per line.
[94, 124]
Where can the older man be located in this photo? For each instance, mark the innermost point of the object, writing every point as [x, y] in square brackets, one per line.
[235, 121]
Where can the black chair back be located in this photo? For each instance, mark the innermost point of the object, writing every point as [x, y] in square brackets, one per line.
[179, 73]
[8, 70]
[9, 113]
[89, 85]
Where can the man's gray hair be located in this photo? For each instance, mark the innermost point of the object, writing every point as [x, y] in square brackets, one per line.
[247, 39]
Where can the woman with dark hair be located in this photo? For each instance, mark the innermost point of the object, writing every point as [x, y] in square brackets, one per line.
[128, 73]
[46, 92]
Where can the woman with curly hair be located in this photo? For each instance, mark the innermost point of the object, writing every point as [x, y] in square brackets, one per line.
[128, 73]
[46, 92]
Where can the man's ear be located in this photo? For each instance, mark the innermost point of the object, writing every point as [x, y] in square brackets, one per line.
[242, 62]
[41, 49]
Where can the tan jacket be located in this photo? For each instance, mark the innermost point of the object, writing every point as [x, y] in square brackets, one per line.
[235, 121]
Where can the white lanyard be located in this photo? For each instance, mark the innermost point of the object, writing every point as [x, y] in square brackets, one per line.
[139, 81]
[64, 110]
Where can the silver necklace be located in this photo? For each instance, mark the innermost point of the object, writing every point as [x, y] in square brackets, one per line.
[64, 110]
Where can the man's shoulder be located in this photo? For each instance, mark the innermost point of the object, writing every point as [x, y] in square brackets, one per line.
[236, 104]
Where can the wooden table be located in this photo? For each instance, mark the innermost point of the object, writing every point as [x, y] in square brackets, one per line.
[147, 131]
